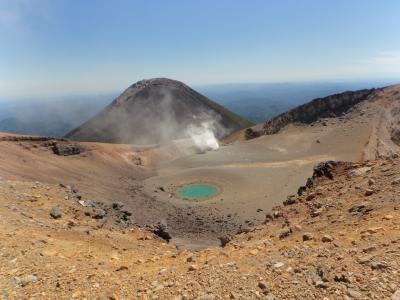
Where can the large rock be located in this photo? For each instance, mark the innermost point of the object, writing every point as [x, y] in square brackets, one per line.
[161, 231]
[56, 213]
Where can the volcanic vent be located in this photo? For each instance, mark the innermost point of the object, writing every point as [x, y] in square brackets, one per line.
[157, 111]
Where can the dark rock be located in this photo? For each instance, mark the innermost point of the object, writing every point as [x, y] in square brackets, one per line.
[117, 205]
[341, 278]
[324, 169]
[321, 285]
[126, 215]
[301, 190]
[326, 238]
[56, 213]
[307, 236]
[369, 192]
[285, 233]
[66, 149]
[322, 272]
[262, 285]
[99, 213]
[395, 136]
[378, 265]
[290, 200]
[122, 268]
[251, 134]
[224, 240]
[161, 231]
[268, 218]
[360, 208]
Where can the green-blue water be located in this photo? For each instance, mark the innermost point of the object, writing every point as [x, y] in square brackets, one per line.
[197, 191]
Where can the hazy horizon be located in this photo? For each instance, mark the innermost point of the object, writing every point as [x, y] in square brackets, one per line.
[215, 87]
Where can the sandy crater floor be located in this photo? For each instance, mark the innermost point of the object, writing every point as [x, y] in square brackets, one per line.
[259, 174]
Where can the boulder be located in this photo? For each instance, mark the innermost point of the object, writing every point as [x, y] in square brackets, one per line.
[161, 231]
[99, 213]
[308, 236]
[56, 213]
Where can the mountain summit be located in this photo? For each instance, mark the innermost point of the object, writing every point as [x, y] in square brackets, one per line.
[157, 111]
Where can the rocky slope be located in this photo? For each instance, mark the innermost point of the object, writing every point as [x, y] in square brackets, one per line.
[339, 240]
[327, 107]
[156, 111]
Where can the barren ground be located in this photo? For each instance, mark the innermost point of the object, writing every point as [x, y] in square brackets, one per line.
[334, 242]
[253, 176]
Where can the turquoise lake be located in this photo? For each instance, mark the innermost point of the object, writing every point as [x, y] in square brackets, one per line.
[197, 191]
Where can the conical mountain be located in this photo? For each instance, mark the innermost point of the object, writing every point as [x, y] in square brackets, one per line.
[157, 111]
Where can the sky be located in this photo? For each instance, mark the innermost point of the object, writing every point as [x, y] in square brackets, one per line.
[67, 47]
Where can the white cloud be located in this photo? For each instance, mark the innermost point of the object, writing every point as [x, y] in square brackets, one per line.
[386, 58]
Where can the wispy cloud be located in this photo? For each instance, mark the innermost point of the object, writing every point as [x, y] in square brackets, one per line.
[15, 14]
[386, 58]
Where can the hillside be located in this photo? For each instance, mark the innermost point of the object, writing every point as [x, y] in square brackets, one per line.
[327, 107]
[157, 111]
[339, 240]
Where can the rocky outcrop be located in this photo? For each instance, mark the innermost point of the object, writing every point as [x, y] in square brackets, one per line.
[331, 106]
[66, 149]
[16, 138]
[325, 170]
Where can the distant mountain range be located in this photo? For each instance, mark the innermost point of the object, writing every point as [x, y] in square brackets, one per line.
[256, 102]
[259, 102]
[50, 117]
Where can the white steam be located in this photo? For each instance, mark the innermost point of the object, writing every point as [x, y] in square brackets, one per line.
[203, 136]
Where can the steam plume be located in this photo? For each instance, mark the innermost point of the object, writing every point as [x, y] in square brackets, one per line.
[203, 136]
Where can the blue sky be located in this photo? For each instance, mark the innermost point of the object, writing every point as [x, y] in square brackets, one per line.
[64, 47]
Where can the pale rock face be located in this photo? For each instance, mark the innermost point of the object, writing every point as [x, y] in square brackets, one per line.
[358, 172]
